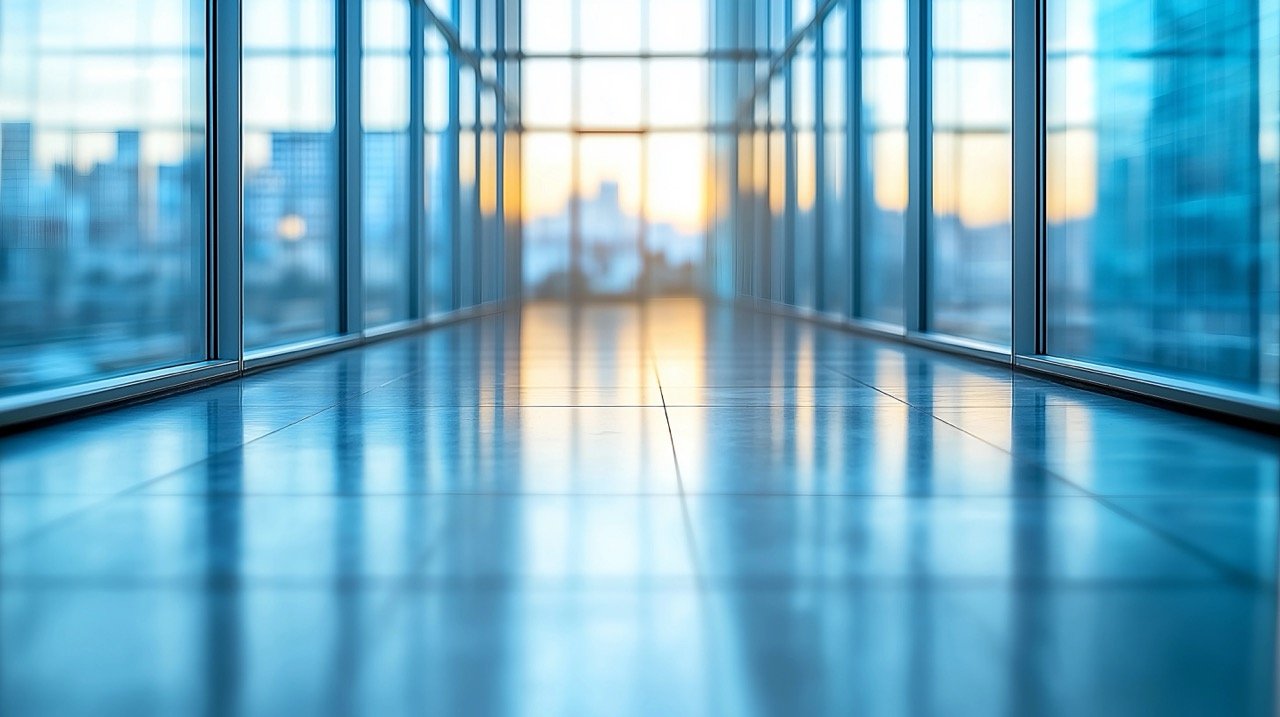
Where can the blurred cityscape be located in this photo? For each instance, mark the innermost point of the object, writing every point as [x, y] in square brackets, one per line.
[615, 260]
[101, 267]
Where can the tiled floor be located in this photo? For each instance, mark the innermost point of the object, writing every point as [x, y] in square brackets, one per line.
[613, 511]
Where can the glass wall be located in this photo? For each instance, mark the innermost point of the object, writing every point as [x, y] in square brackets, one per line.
[102, 184]
[1156, 247]
[439, 157]
[969, 251]
[849, 159]
[124, 270]
[387, 252]
[882, 179]
[833, 259]
[615, 149]
[290, 147]
[804, 182]
[1161, 197]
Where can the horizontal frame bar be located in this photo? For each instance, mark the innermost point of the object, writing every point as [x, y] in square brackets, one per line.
[1162, 389]
[41, 406]
[1159, 390]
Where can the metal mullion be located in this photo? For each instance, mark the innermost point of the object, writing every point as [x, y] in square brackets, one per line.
[854, 156]
[789, 198]
[498, 281]
[723, 56]
[1028, 152]
[350, 21]
[419, 254]
[477, 148]
[453, 163]
[224, 242]
[920, 141]
[819, 170]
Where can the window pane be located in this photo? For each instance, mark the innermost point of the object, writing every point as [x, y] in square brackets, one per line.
[546, 88]
[609, 25]
[804, 159]
[970, 248]
[883, 177]
[677, 25]
[834, 262]
[290, 150]
[547, 25]
[676, 226]
[467, 249]
[102, 168]
[386, 255]
[609, 95]
[1161, 180]
[609, 214]
[545, 202]
[437, 175]
[677, 93]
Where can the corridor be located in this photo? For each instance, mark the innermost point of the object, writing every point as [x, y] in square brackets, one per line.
[670, 509]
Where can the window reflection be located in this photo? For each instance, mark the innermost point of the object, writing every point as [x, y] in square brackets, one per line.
[102, 180]
[290, 153]
[1161, 181]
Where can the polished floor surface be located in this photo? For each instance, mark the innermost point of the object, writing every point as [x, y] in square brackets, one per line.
[615, 510]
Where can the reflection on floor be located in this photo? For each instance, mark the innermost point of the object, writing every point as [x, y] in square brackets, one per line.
[674, 510]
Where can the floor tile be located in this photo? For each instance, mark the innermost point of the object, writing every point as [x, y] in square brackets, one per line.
[1013, 540]
[661, 508]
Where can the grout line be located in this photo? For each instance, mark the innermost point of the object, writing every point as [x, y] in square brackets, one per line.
[136, 488]
[1230, 573]
[684, 503]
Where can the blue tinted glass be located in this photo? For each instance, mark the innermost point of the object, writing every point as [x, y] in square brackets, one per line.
[438, 158]
[834, 260]
[290, 153]
[386, 256]
[970, 249]
[804, 157]
[882, 178]
[468, 216]
[102, 172]
[1163, 154]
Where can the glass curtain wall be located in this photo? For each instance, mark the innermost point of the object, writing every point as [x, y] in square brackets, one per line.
[882, 177]
[1161, 189]
[440, 149]
[614, 148]
[102, 190]
[386, 211]
[107, 219]
[1157, 244]
[290, 166]
[969, 246]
